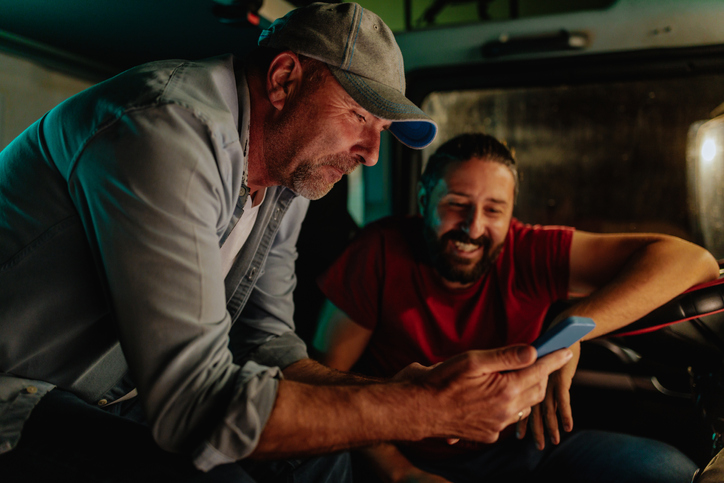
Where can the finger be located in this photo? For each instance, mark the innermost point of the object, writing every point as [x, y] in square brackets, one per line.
[481, 362]
[520, 428]
[521, 424]
[550, 417]
[504, 359]
[533, 389]
[564, 409]
[542, 368]
[536, 428]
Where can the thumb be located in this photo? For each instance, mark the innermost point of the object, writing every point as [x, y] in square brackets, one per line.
[480, 362]
[509, 358]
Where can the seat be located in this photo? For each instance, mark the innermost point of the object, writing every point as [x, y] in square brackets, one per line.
[699, 301]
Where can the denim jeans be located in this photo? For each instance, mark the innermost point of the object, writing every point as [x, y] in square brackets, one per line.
[66, 439]
[585, 456]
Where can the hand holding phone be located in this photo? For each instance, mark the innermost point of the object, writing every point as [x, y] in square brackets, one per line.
[563, 334]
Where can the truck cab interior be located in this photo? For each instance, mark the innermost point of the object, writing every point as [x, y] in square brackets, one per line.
[615, 110]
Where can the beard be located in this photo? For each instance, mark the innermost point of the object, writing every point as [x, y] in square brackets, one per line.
[307, 181]
[307, 177]
[458, 269]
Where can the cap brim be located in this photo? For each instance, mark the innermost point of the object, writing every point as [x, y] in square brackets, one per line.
[410, 124]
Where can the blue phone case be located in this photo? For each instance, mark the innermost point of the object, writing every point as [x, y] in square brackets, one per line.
[563, 334]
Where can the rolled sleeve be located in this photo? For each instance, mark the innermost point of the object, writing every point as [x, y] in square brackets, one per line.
[281, 351]
[149, 192]
[238, 433]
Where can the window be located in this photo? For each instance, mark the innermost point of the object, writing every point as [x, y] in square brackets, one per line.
[604, 157]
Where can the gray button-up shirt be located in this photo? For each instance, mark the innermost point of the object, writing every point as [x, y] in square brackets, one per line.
[112, 209]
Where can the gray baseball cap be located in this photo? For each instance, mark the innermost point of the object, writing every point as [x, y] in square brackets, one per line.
[363, 56]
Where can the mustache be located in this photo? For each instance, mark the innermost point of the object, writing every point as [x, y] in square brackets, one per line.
[346, 164]
[462, 237]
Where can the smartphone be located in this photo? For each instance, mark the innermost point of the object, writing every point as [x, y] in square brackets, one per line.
[563, 334]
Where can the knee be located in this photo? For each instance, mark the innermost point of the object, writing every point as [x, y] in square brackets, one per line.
[604, 456]
[648, 460]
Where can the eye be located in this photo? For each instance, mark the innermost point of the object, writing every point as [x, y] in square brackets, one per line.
[360, 117]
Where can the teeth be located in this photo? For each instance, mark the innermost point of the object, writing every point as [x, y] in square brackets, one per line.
[465, 247]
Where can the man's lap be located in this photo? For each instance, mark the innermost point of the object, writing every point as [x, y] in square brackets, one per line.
[590, 456]
[66, 439]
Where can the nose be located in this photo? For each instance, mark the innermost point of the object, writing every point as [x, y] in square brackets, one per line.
[368, 147]
[474, 224]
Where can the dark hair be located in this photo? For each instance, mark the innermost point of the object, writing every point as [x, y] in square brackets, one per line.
[465, 147]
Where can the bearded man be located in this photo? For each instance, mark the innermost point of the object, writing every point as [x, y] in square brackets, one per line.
[467, 275]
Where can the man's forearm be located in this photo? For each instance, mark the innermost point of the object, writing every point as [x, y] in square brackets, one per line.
[473, 396]
[313, 419]
[653, 274]
[312, 372]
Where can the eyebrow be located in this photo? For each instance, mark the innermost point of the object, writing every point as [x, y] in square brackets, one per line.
[385, 128]
[465, 195]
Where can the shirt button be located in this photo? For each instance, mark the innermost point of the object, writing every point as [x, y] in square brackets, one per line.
[251, 274]
[31, 389]
[102, 402]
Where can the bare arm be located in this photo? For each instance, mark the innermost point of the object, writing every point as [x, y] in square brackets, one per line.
[340, 342]
[339, 339]
[630, 275]
[312, 372]
[627, 276]
[468, 397]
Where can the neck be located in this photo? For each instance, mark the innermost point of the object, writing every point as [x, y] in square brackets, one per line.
[454, 285]
[256, 196]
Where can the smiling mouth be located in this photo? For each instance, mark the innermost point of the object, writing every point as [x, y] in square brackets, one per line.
[465, 247]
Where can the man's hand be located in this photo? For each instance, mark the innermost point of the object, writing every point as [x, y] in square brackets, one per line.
[557, 403]
[471, 396]
[482, 392]
[415, 372]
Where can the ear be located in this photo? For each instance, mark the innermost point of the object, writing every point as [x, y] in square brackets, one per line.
[283, 78]
[422, 198]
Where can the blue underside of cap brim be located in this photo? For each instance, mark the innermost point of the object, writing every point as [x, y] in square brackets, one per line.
[415, 134]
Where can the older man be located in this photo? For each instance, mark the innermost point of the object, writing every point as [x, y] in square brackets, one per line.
[143, 217]
[466, 275]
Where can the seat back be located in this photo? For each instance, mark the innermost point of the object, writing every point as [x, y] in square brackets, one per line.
[699, 301]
